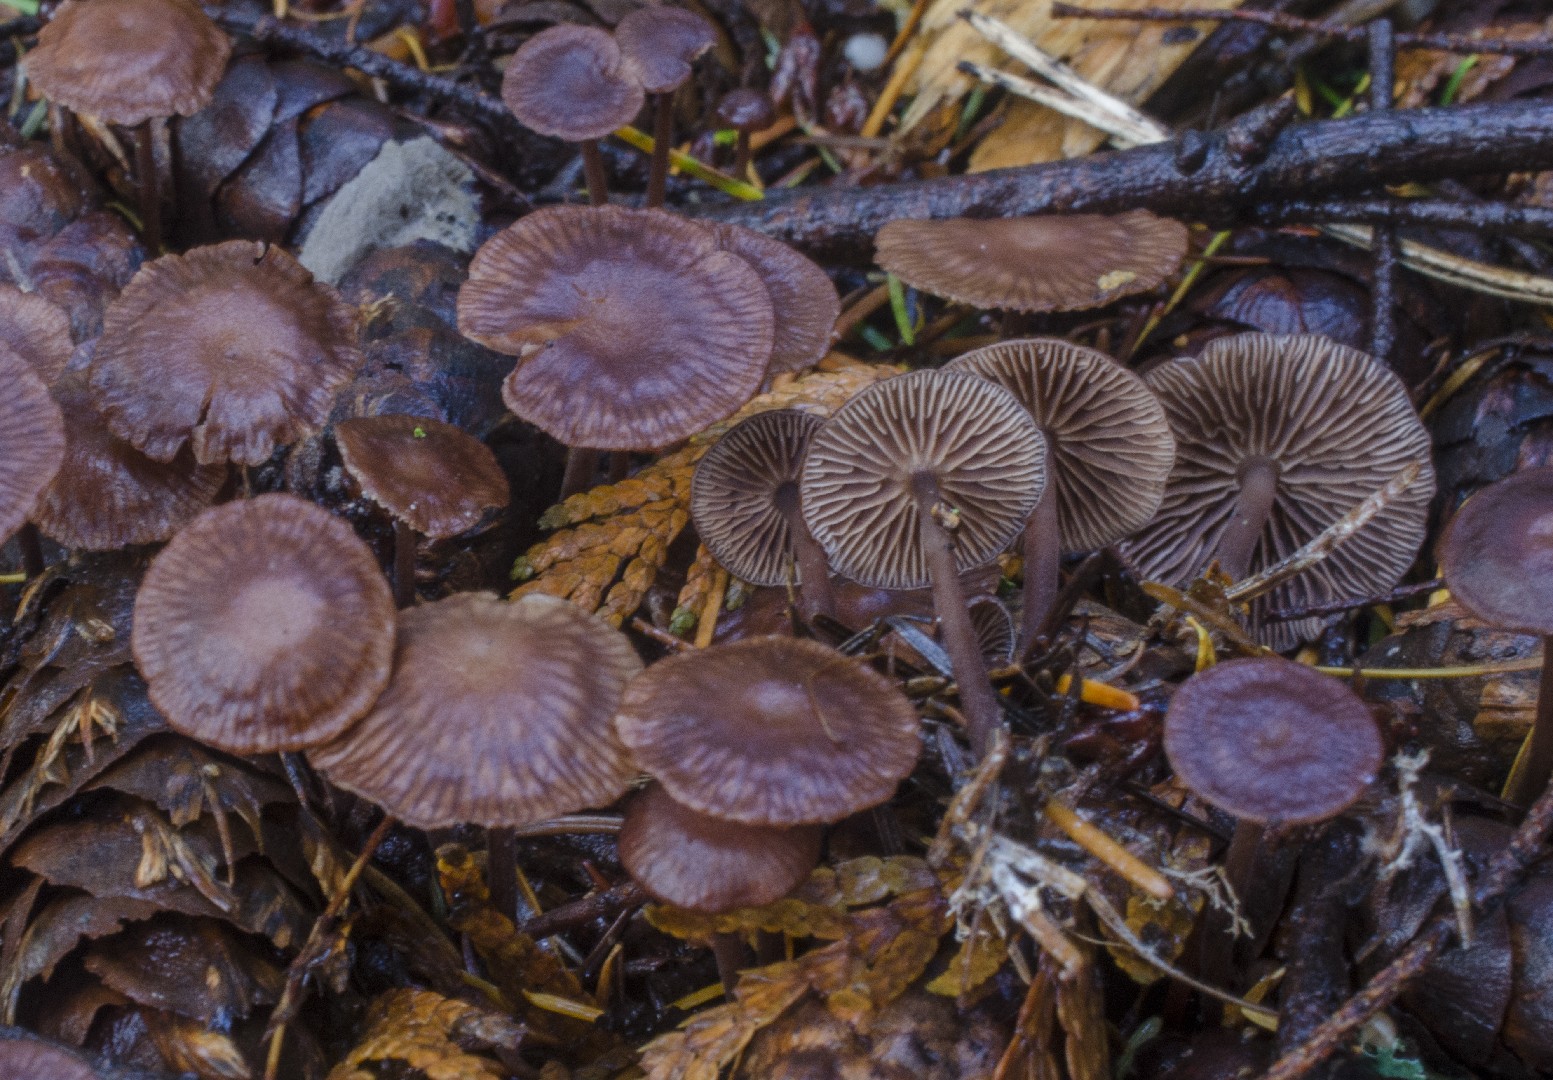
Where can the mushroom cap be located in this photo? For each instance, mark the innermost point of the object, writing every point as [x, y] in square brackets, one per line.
[770, 731]
[738, 492]
[994, 626]
[1109, 447]
[109, 495]
[746, 110]
[37, 330]
[498, 713]
[633, 330]
[803, 299]
[1337, 425]
[571, 82]
[438, 479]
[264, 625]
[980, 445]
[1268, 740]
[708, 864]
[32, 441]
[232, 347]
[1497, 553]
[127, 61]
[26, 1057]
[1049, 263]
[660, 42]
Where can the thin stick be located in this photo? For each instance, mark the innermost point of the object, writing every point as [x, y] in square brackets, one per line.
[1066, 104]
[593, 168]
[404, 565]
[148, 187]
[1099, 844]
[1383, 249]
[662, 137]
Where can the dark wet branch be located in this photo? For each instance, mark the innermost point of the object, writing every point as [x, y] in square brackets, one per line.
[1427, 213]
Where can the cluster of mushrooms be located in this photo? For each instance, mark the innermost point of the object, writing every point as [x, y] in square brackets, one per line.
[267, 624]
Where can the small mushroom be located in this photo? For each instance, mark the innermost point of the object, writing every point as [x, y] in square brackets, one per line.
[431, 477]
[1048, 263]
[264, 625]
[1497, 557]
[803, 300]
[746, 112]
[659, 43]
[744, 502]
[24, 1056]
[571, 82]
[709, 864]
[498, 713]
[920, 477]
[1277, 437]
[770, 731]
[135, 63]
[32, 447]
[1109, 452]
[632, 329]
[37, 330]
[232, 348]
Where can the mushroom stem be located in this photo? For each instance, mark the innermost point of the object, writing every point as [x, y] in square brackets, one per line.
[815, 596]
[404, 564]
[741, 155]
[1213, 925]
[1535, 765]
[662, 135]
[977, 698]
[1042, 558]
[593, 169]
[582, 463]
[619, 465]
[1258, 489]
[728, 950]
[31, 543]
[501, 871]
[149, 188]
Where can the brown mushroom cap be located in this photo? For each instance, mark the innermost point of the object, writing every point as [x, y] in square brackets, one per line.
[436, 478]
[1497, 553]
[233, 348]
[994, 626]
[803, 300]
[660, 42]
[32, 441]
[633, 330]
[109, 495]
[707, 864]
[26, 1057]
[571, 82]
[1337, 426]
[498, 713]
[1268, 740]
[738, 491]
[127, 61]
[37, 330]
[1048, 263]
[980, 445]
[770, 731]
[1109, 444]
[264, 625]
[746, 110]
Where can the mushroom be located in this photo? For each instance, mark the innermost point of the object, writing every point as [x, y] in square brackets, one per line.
[1270, 742]
[134, 63]
[264, 625]
[746, 112]
[498, 713]
[109, 495]
[1278, 437]
[744, 502]
[25, 1056]
[1048, 263]
[1497, 558]
[920, 477]
[803, 300]
[37, 330]
[632, 329]
[709, 864]
[232, 348]
[1109, 451]
[571, 82]
[770, 731]
[659, 43]
[431, 477]
[32, 447]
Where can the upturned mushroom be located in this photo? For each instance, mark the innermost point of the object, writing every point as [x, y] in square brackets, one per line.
[431, 478]
[1049, 263]
[264, 625]
[744, 502]
[659, 43]
[32, 447]
[632, 329]
[232, 349]
[571, 82]
[1277, 438]
[1109, 452]
[916, 479]
[1497, 557]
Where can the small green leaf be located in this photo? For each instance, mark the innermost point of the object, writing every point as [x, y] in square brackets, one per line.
[1453, 87]
[908, 332]
[26, 7]
[419, 432]
[522, 569]
[682, 622]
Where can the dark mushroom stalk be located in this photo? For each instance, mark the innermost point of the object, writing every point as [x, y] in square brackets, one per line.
[746, 112]
[815, 594]
[1257, 480]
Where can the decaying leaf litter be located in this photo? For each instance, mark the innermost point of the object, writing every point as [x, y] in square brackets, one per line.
[418, 661]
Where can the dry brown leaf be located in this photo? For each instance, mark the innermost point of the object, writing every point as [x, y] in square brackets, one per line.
[1421, 73]
[424, 1030]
